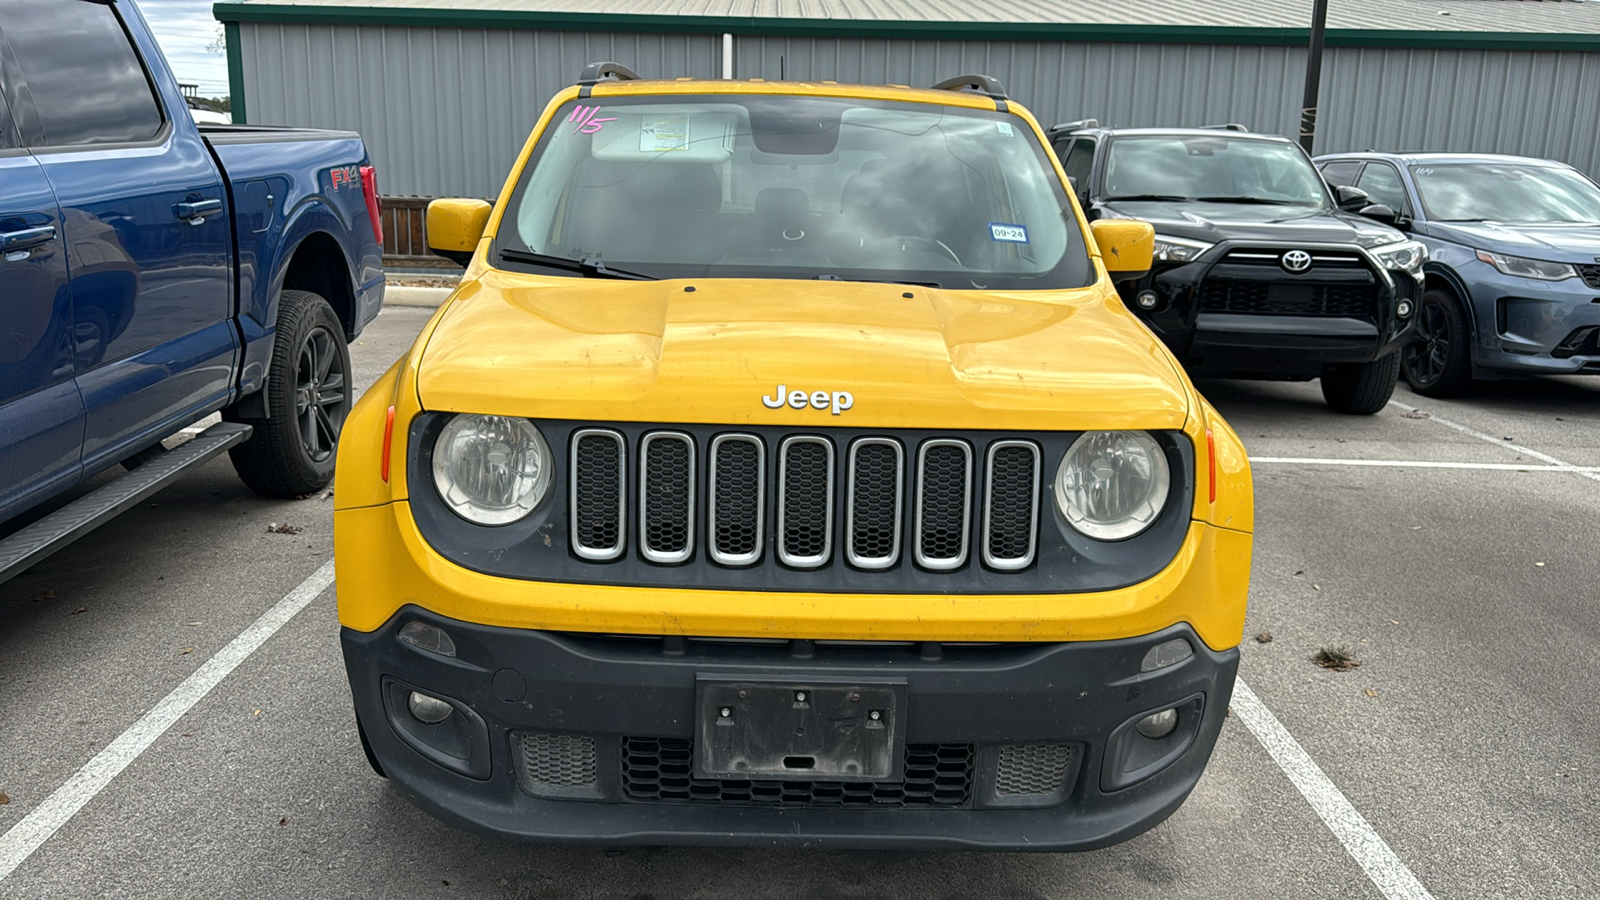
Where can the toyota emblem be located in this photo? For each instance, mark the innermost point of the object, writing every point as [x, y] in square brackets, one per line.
[1296, 261]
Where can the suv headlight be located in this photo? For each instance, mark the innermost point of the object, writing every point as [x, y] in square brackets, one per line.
[492, 470]
[1523, 267]
[1111, 485]
[1407, 255]
[1177, 250]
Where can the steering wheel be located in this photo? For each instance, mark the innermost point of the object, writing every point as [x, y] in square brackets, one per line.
[943, 247]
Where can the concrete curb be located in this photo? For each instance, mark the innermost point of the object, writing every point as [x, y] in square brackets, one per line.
[401, 295]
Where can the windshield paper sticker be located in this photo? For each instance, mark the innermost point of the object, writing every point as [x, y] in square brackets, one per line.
[664, 134]
[1004, 128]
[1001, 231]
[586, 117]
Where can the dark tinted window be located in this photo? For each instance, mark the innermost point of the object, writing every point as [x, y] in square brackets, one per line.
[1382, 184]
[1077, 163]
[78, 65]
[8, 135]
[1341, 172]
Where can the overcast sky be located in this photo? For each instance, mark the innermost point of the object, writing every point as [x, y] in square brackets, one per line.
[184, 28]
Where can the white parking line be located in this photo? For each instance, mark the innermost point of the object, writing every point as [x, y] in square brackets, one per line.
[1371, 852]
[1586, 471]
[37, 826]
[1421, 464]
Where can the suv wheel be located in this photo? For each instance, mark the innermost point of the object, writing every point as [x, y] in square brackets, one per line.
[1438, 361]
[309, 392]
[1360, 388]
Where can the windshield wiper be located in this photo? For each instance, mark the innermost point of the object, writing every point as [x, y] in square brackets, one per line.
[587, 267]
[1259, 200]
[1169, 198]
[832, 277]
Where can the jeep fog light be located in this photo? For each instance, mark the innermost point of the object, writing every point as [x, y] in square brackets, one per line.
[431, 710]
[1147, 299]
[492, 470]
[1111, 485]
[1166, 653]
[1154, 727]
[1403, 308]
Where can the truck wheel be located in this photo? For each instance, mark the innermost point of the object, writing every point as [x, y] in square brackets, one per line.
[1438, 361]
[1360, 388]
[309, 393]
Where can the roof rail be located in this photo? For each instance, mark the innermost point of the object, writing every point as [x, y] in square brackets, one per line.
[1072, 126]
[1231, 126]
[983, 84]
[596, 72]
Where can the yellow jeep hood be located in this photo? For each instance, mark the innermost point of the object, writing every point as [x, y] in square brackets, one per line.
[709, 350]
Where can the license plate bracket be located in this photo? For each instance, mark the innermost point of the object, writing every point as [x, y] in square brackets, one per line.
[814, 730]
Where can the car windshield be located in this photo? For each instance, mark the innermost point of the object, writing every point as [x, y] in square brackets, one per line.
[794, 187]
[1215, 167]
[1510, 193]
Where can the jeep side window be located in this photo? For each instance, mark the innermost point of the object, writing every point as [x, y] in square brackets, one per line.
[1382, 184]
[1078, 163]
[79, 66]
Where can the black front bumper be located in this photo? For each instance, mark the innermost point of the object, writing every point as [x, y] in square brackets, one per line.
[571, 737]
[1213, 333]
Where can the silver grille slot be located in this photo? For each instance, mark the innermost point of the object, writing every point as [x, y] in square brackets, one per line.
[943, 503]
[805, 501]
[666, 497]
[738, 500]
[1011, 505]
[872, 506]
[599, 503]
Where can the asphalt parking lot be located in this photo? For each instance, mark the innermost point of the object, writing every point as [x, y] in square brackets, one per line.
[1449, 550]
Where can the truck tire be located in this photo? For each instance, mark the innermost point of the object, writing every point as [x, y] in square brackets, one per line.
[308, 395]
[1360, 388]
[1438, 361]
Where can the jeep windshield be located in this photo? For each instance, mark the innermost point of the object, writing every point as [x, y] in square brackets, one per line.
[1211, 168]
[780, 186]
[1510, 194]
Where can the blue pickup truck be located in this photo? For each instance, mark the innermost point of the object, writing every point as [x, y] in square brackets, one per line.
[154, 272]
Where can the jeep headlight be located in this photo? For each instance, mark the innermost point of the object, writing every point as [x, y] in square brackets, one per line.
[1111, 485]
[1178, 250]
[1407, 255]
[492, 470]
[1522, 267]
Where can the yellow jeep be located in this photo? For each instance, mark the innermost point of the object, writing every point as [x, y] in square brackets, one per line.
[786, 470]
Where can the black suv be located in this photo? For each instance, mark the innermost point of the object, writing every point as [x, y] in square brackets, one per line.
[1261, 270]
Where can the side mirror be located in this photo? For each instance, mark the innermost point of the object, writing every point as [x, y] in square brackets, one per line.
[1127, 247]
[455, 227]
[1351, 199]
[1379, 213]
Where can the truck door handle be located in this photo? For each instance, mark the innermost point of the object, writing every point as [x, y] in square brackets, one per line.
[19, 242]
[195, 211]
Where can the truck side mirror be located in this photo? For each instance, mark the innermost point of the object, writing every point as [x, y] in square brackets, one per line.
[455, 227]
[1378, 212]
[1127, 247]
[1351, 199]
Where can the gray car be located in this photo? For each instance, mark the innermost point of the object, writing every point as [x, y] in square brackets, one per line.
[1513, 270]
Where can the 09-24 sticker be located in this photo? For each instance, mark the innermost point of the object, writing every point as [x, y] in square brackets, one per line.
[1005, 231]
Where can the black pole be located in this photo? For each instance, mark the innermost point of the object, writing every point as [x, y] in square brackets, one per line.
[1308, 109]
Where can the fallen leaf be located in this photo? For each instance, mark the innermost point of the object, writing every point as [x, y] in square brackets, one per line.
[256, 713]
[1415, 414]
[186, 651]
[1264, 637]
[1508, 438]
[325, 495]
[1394, 621]
[4, 799]
[283, 821]
[284, 528]
[1230, 710]
[1300, 571]
[1338, 659]
[1371, 692]
[188, 734]
[1316, 587]
[47, 595]
[80, 609]
[192, 624]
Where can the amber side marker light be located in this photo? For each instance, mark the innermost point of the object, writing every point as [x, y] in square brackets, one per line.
[1210, 455]
[389, 436]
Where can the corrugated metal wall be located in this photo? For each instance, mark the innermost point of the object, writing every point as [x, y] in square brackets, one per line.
[444, 111]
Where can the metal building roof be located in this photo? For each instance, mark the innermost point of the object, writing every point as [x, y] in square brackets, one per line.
[1503, 24]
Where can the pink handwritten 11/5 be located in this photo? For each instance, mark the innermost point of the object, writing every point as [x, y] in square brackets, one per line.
[586, 117]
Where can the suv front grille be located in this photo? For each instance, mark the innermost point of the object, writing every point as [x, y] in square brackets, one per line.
[661, 770]
[1227, 295]
[807, 490]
